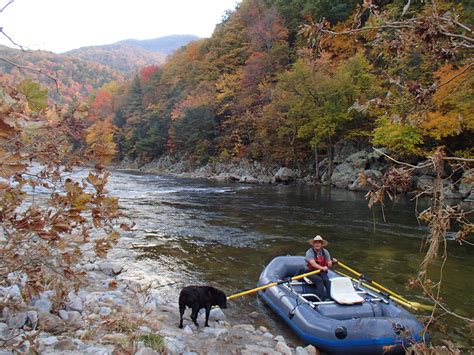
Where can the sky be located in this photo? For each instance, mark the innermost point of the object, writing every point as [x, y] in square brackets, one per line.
[62, 25]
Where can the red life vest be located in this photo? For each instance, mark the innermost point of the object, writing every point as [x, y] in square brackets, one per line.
[320, 260]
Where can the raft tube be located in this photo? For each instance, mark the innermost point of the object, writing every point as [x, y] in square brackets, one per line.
[375, 326]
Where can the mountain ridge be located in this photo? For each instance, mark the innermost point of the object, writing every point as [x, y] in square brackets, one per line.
[88, 68]
[128, 56]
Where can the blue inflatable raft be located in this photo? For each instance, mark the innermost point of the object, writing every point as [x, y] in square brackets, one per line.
[355, 321]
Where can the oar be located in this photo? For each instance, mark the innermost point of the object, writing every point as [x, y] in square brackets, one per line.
[288, 279]
[403, 303]
[383, 288]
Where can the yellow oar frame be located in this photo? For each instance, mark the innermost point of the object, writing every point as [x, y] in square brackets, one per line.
[248, 292]
[375, 286]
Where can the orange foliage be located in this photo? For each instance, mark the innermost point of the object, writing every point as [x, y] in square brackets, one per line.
[453, 107]
[102, 106]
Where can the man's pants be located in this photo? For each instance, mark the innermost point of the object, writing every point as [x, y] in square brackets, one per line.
[323, 285]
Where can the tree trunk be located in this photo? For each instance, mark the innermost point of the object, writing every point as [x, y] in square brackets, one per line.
[330, 158]
[316, 162]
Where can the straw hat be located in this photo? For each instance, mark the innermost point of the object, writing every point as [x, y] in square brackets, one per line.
[318, 238]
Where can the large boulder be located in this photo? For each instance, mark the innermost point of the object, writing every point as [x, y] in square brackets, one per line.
[343, 175]
[284, 175]
[343, 149]
[466, 186]
[424, 182]
[248, 179]
[358, 160]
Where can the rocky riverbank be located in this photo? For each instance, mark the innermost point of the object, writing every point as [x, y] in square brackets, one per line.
[351, 165]
[117, 311]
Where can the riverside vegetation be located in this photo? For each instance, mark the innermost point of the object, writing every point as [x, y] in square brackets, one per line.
[279, 83]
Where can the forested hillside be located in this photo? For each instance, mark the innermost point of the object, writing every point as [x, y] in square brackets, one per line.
[82, 71]
[76, 77]
[131, 55]
[122, 57]
[282, 81]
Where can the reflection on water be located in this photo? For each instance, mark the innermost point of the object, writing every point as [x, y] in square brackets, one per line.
[200, 232]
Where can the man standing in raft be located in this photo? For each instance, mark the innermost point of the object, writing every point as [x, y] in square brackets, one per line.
[318, 258]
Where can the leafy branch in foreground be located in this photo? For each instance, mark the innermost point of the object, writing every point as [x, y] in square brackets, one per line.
[49, 219]
[441, 217]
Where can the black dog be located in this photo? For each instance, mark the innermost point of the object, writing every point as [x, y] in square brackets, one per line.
[197, 297]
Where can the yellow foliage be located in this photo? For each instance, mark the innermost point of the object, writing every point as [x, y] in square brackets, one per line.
[100, 138]
[441, 125]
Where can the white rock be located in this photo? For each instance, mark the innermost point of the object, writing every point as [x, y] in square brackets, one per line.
[301, 351]
[263, 329]
[4, 331]
[83, 294]
[74, 302]
[146, 351]
[11, 292]
[150, 307]
[17, 321]
[63, 314]
[5, 313]
[173, 346]
[283, 348]
[188, 330]
[105, 311]
[312, 350]
[280, 338]
[43, 305]
[90, 267]
[247, 327]
[74, 319]
[16, 276]
[144, 329]
[95, 350]
[45, 295]
[49, 340]
[268, 335]
[89, 255]
[217, 314]
[218, 333]
[110, 268]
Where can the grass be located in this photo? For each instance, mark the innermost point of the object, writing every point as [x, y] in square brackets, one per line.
[154, 341]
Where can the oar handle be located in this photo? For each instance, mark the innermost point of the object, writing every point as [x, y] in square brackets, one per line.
[288, 279]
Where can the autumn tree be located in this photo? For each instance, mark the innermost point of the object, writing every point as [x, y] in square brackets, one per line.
[48, 219]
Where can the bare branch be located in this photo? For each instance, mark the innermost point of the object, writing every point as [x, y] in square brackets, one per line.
[11, 40]
[6, 5]
[39, 71]
[369, 28]
[460, 159]
[469, 39]
[394, 160]
[405, 8]
[455, 22]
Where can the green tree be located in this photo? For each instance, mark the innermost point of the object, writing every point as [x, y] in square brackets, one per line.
[195, 130]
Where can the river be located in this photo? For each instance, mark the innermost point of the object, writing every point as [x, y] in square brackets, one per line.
[223, 234]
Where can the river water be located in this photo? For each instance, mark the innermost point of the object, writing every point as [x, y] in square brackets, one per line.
[223, 234]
